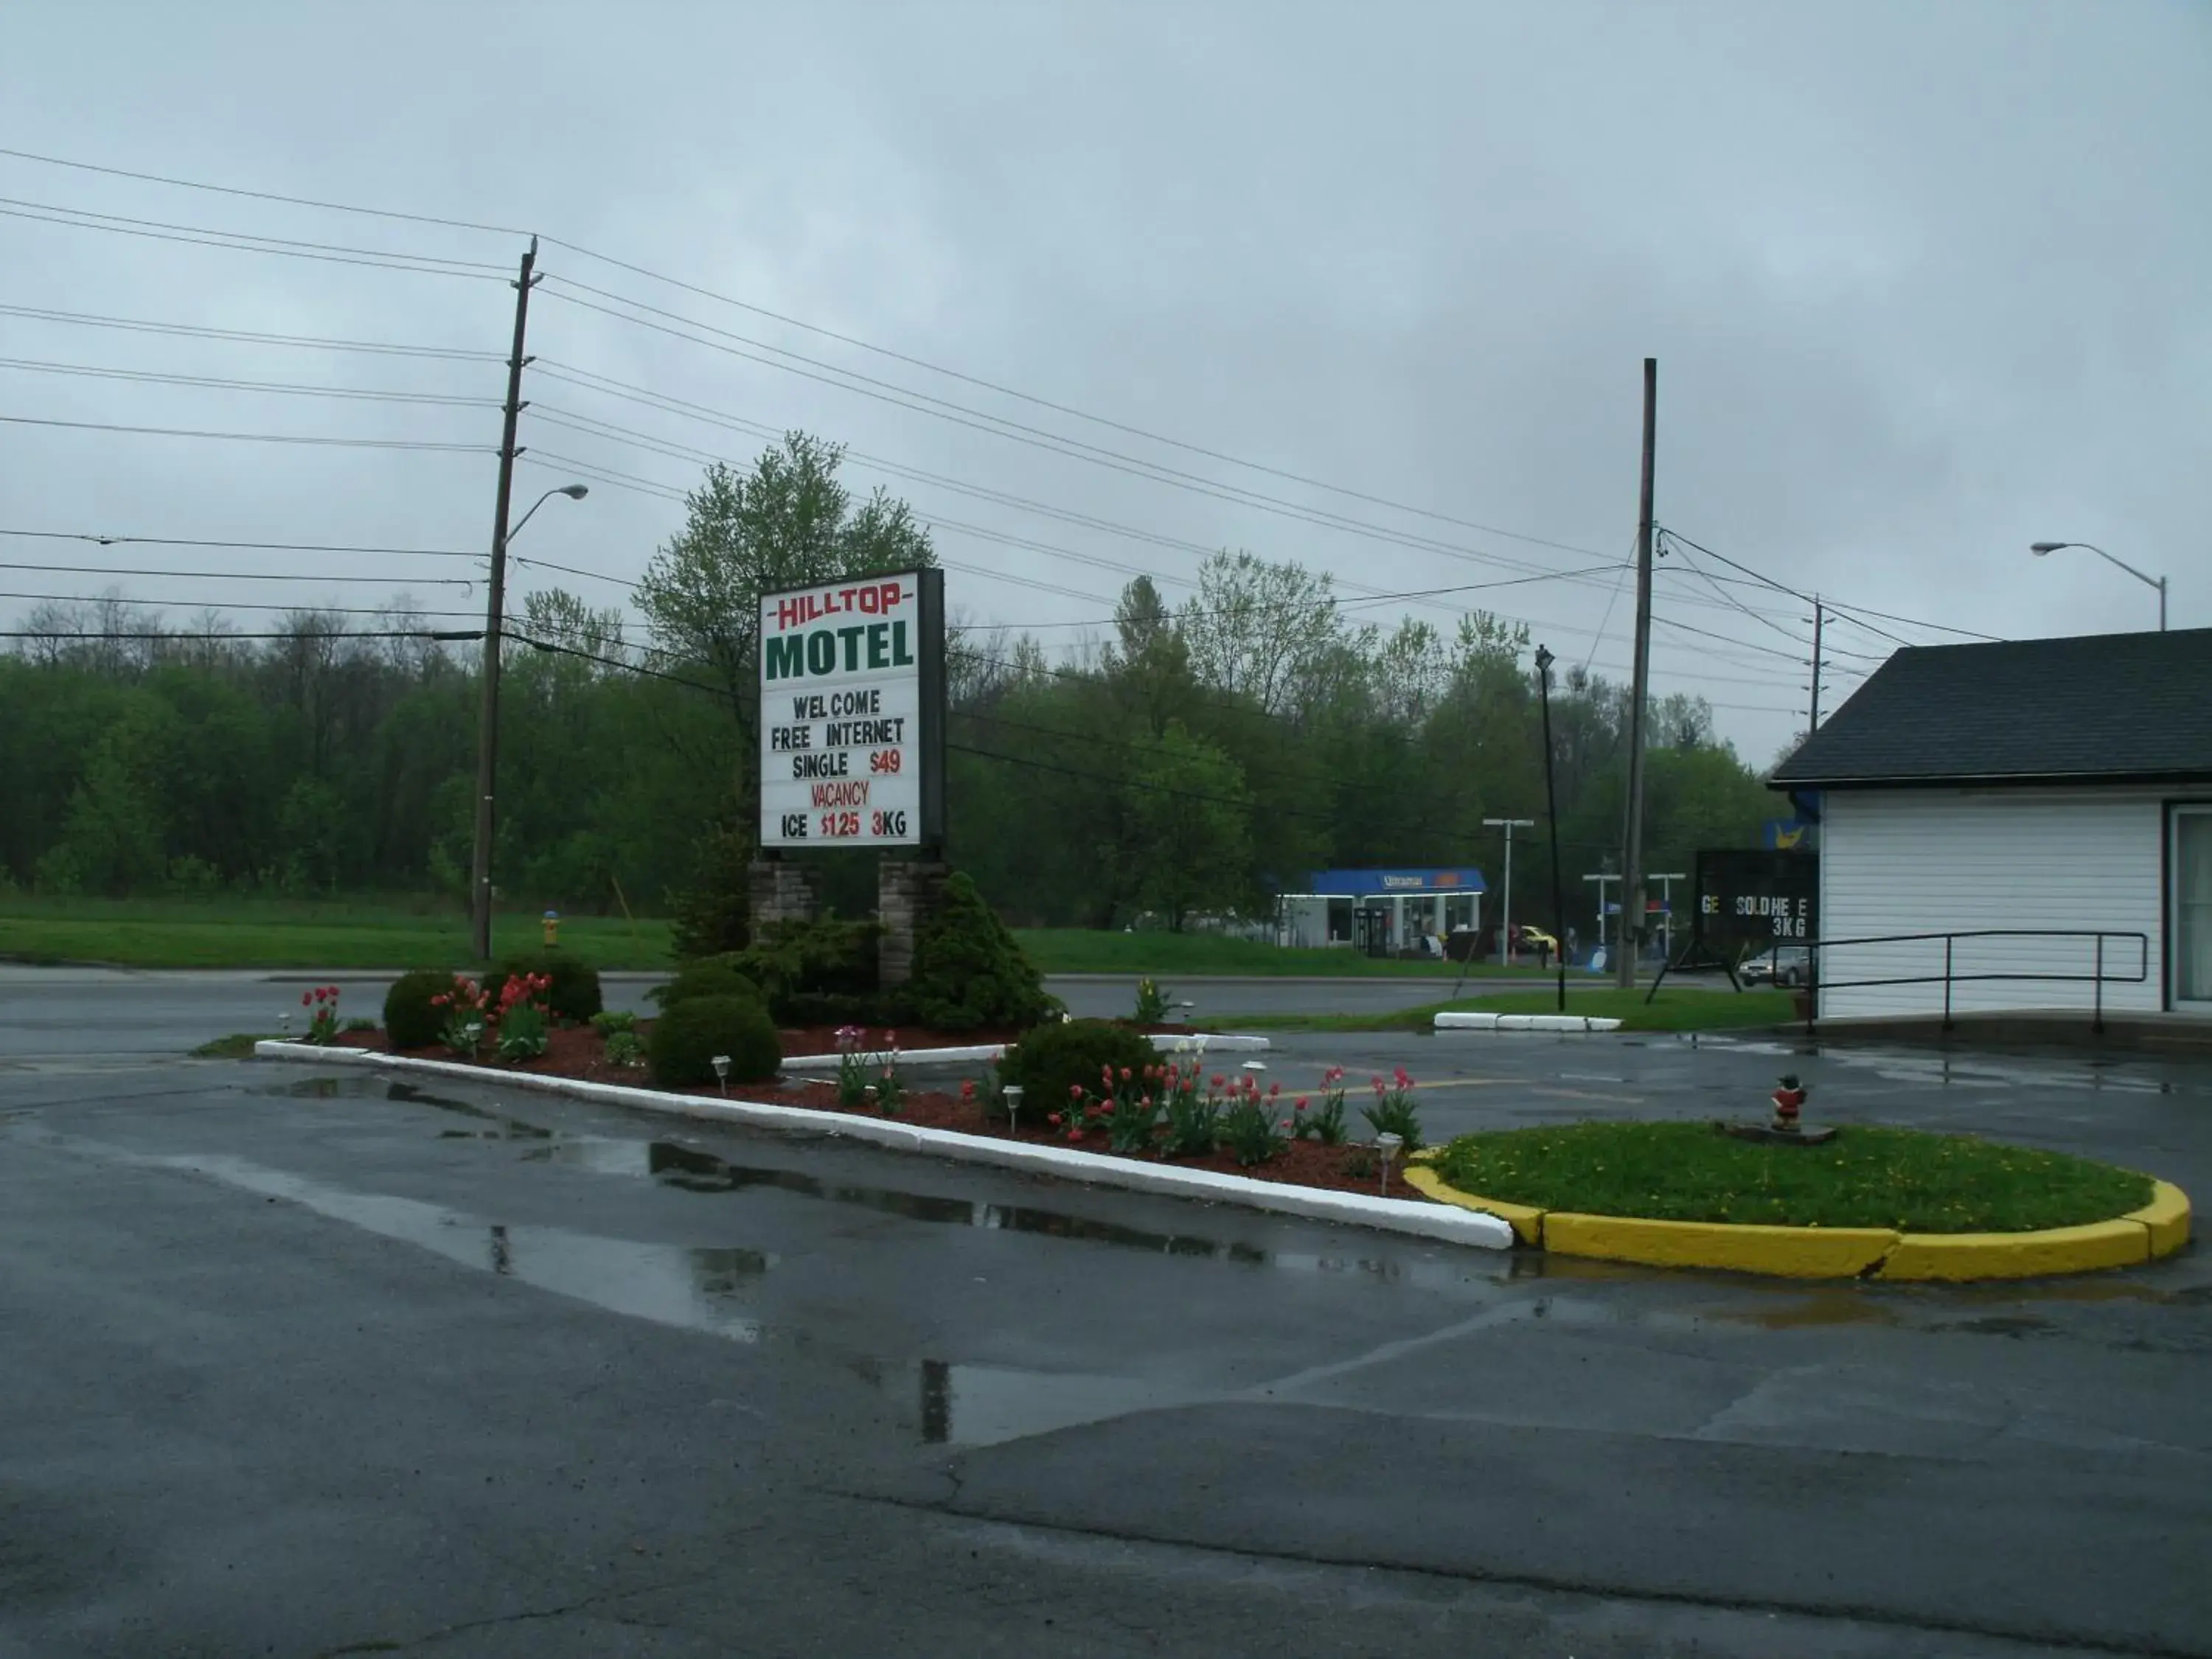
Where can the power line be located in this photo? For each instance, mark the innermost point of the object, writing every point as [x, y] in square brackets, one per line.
[247, 242]
[1067, 409]
[300, 388]
[233, 605]
[248, 336]
[608, 386]
[273, 547]
[254, 437]
[602, 474]
[1764, 580]
[260, 195]
[1036, 438]
[813, 328]
[366, 633]
[234, 576]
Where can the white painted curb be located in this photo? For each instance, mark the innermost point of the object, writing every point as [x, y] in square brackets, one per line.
[1476, 1021]
[1392, 1215]
[967, 1056]
[1195, 1043]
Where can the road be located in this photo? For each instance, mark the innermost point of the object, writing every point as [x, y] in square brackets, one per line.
[304, 1362]
[124, 1012]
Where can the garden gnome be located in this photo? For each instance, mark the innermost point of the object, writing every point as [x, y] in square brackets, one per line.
[1789, 1095]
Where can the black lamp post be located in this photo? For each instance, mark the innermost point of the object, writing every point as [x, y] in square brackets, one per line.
[1544, 660]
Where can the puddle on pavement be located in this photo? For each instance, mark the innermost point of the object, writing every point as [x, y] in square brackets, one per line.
[986, 1405]
[669, 1283]
[499, 1125]
[2067, 1070]
[691, 1169]
[704, 1289]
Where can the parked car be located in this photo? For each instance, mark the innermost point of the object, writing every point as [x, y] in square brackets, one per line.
[1786, 964]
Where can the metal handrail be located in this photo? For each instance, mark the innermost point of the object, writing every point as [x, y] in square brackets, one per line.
[1949, 976]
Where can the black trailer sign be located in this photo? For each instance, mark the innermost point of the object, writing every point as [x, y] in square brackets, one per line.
[1750, 902]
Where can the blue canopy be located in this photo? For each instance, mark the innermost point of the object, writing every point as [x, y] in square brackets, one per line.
[1388, 883]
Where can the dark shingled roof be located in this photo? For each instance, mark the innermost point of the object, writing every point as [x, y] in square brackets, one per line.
[2097, 708]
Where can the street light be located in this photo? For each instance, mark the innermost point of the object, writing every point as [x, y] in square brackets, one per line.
[575, 492]
[488, 706]
[1544, 661]
[1505, 911]
[2041, 549]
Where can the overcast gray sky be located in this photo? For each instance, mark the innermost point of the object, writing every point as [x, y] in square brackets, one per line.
[1926, 283]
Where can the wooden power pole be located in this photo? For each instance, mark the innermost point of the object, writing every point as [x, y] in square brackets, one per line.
[488, 705]
[1631, 875]
[1813, 723]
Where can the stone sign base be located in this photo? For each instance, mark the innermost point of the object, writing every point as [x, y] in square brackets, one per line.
[781, 889]
[906, 895]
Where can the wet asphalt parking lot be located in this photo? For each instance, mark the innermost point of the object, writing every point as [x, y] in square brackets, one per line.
[302, 1360]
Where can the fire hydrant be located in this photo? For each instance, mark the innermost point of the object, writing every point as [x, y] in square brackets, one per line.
[552, 928]
[1789, 1095]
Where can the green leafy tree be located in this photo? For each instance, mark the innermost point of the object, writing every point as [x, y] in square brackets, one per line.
[786, 523]
[1188, 805]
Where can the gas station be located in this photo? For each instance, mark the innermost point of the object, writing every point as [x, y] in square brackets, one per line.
[1381, 912]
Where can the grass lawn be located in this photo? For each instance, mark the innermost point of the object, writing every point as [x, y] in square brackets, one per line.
[1164, 955]
[1673, 1010]
[1865, 1178]
[275, 933]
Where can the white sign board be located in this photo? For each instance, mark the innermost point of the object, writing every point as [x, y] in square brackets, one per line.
[845, 682]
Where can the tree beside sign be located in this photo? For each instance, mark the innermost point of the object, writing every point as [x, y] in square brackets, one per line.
[852, 713]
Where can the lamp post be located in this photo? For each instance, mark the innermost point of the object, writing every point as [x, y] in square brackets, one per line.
[1505, 911]
[488, 712]
[2041, 549]
[1544, 661]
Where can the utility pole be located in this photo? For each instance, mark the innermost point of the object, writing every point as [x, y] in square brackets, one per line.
[1505, 914]
[488, 707]
[1812, 721]
[1544, 660]
[1631, 875]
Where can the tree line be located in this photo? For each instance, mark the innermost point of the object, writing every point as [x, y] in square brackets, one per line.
[1179, 762]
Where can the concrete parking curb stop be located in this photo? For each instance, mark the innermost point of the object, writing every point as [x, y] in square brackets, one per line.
[1446, 1223]
[1197, 1043]
[1478, 1020]
[2159, 1229]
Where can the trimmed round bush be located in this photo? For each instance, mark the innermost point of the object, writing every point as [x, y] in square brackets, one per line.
[573, 996]
[1052, 1059]
[410, 1020]
[681, 1046]
[706, 979]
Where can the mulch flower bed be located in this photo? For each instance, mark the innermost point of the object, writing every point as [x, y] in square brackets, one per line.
[580, 1052]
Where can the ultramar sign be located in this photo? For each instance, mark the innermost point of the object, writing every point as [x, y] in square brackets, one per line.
[851, 689]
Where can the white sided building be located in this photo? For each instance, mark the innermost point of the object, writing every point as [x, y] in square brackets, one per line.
[2046, 804]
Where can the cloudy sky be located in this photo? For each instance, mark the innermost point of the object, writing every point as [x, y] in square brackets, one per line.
[1926, 283]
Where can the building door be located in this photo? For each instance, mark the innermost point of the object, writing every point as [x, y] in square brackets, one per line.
[2189, 865]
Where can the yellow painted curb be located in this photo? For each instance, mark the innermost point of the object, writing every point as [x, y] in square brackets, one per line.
[2158, 1229]
[1786, 1252]
[1528, 1224]
[2123, 1243]
[2166, 1216]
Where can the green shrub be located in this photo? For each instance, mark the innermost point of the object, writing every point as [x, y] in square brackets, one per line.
[713, 977]
[681, 1046]
[969, 970]
[714, 911]
[573, 997]
[612, 1023]
[817, 972]
[1061, 1055]
[410, 1019]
